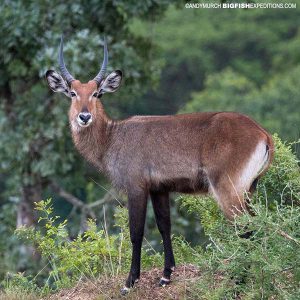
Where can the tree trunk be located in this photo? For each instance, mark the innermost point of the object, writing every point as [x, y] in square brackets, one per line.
[26, 216]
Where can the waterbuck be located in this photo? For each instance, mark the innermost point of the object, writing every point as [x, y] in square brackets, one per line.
[222, 153]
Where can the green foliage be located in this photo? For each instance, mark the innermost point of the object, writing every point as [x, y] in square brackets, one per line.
[256, 44]
[206, 207]
[224, 91]
[281, 183]
[264, 266]
[18, 284]
[91, 254]
[275, 105]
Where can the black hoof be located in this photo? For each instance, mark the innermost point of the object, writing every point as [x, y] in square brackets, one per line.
[164, 281]
[247, 235]
[125, 291]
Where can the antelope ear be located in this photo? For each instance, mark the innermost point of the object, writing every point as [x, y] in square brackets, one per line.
[57, 83]
[111, 83]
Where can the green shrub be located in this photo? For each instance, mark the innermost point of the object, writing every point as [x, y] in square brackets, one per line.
[91, 254]
[281, 183]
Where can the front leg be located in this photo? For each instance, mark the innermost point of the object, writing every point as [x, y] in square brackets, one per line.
[137, 206]
[161, 206]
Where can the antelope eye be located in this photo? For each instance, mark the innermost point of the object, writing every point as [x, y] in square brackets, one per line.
[72, 94]
[95, 95]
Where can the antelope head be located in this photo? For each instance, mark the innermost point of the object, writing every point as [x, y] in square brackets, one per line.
[84, 96]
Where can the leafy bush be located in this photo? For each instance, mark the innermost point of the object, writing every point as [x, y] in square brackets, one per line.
[266, 265]
[89, 255]
[17, 286]
[281, 183]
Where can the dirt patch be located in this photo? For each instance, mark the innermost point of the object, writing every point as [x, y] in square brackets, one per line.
[146, 288]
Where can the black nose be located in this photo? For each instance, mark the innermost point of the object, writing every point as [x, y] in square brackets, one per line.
[85, 117]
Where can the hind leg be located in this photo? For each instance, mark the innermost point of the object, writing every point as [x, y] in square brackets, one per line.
[252, 189]
[232, 199]
[229, 196]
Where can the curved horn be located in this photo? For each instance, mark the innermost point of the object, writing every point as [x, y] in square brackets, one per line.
[64, 72]
[101, 73]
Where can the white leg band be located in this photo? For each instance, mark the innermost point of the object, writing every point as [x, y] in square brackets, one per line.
[165, 279]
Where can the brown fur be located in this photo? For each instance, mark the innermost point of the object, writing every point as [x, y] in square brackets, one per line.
[190, 153]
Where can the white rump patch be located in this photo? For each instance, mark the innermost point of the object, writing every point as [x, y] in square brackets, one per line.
[254, 167]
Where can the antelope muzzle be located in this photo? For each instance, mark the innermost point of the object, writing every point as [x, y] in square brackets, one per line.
[84, 119]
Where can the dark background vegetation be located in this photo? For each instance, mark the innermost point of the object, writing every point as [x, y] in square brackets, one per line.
[174, 60]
